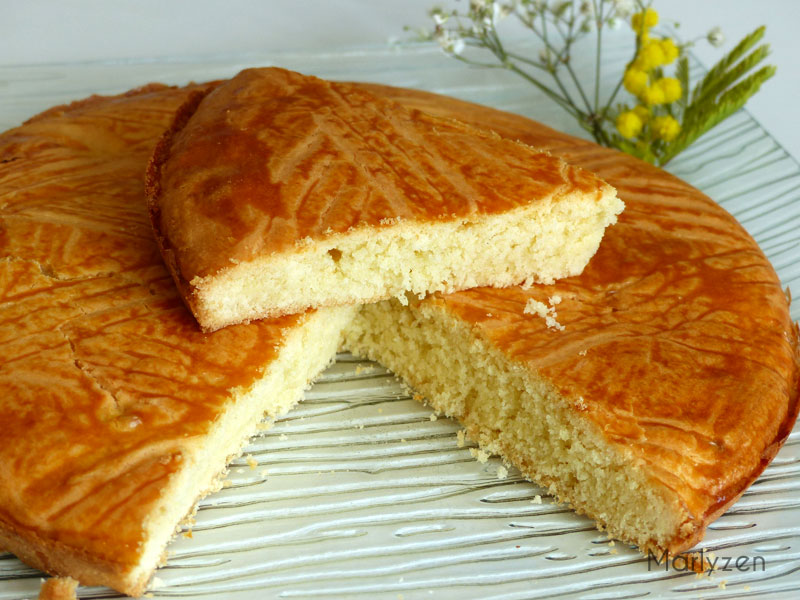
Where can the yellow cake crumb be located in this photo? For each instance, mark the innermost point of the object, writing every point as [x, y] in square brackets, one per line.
[58, 588]
[479, 455]
[461, 436]
[548, 313]
[502, 472]
[433, 417]
[252, 462]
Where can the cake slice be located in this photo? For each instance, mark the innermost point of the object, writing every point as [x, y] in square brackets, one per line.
[650, 391]
[116, 412]
[276, 192]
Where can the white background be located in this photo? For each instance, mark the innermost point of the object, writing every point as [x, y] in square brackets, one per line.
[42, 31]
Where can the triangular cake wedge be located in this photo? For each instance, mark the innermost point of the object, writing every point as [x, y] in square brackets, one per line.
[116, 412]
[277, 192]
[650, 391]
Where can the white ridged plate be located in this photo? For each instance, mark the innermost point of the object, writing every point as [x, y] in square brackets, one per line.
[359, 494]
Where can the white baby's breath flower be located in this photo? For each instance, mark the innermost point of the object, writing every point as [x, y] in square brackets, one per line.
[587, 8]
[715, 37]
[498, 13]
[624, 8]
[614, 23]
[545, 56]
[440, 18]
[450, 42]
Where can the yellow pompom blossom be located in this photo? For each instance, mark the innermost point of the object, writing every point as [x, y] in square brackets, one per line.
[635, 81]
[642, 112]
[671, 88]
[629, 124]
[665, 128]
[652, 95]
[670, 50]
[650, 56]
[642, 21]
[646, 122]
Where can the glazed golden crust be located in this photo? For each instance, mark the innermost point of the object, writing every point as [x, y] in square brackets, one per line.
[677, 335]
[106, 380]
[272, 159]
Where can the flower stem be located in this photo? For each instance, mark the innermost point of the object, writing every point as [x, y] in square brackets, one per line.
[598, 14]
[565, 103]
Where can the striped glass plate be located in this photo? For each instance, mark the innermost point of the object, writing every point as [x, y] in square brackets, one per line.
[361, 493]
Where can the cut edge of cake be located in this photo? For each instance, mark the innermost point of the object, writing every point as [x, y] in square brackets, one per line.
[540, 243]
[307, 349]
[510, 411]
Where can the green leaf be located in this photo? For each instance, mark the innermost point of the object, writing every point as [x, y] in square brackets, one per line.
[730, 102]
[727, 61]
[682, 73]
[626, 146]
[727, 79]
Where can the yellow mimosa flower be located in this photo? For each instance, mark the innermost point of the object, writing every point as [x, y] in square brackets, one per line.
[635, 81]
[629, 124]
[653, 94]
[642, 112]
[671, 88]
[665, 128]
[644, 20]
[650, 56]
[670, 50]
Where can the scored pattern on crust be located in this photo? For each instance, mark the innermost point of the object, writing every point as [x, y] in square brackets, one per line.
[105, 376]
[274, 159]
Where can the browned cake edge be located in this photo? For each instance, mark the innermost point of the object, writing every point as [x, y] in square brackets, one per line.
[152, 190]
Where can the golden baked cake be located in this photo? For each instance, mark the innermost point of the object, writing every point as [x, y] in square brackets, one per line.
[650, 391]
[277, 192]
[116, 412]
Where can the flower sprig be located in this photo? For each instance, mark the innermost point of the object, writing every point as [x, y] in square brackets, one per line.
[662, 118]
